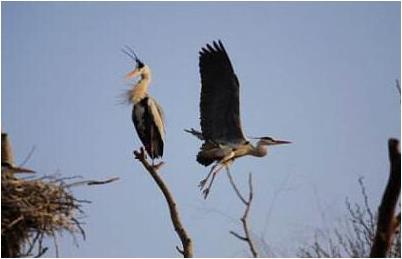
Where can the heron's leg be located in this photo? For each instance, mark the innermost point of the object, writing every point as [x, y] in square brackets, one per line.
[204, 181]
[223, 163]
[218, 153]
[206, 191]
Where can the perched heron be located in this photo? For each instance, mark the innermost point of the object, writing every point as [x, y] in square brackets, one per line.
[221, 129]
[147, 114]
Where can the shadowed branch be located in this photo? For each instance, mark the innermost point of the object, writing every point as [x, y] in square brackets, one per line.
[386, 212]
[186, 241]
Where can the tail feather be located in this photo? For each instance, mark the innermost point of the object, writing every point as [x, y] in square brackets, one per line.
[196, 133]
[203, 160]
[155, 147]
[206, 155]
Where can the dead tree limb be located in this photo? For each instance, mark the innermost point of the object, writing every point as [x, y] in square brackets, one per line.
[187, 250]
[243, 219]
[398, 86]
[94, 182]
[386, 211]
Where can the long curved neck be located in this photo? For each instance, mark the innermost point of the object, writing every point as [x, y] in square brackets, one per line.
[260, 150]
[140, 90]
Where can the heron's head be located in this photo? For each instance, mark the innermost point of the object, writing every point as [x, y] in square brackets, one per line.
[268, 141]
[140, 67]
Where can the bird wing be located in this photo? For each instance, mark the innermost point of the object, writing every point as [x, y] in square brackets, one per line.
[219, 105]
[158, 115]
[148, 121]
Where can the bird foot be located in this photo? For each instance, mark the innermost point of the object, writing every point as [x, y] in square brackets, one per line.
[205, 193]
[158, 166]
[202, 184]
[140, 154]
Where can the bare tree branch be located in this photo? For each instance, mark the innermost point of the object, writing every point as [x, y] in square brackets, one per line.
[243, 200]
[397, 222]
[28, 157]
[243, 219]
[94, 182]
[186, 241]
[398, 86]
[386, 211]
[242, 238]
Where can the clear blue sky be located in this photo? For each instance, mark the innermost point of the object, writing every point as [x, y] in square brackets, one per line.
[319, 74]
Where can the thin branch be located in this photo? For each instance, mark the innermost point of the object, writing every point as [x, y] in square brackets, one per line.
[186, 241]
[17, 220]
[28, 157]
[93, 182]
[386, 211]
[235, 188]
[397, 222]
[180, 250]
[238, 236]
[41, 252]
[243, 219]
[32, 245]
[366, 204]
[56, 245]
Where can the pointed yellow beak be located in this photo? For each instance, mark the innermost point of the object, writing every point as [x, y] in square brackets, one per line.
[136, 72]
[279, 142]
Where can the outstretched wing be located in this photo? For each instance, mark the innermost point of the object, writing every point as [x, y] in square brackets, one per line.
[219, 105]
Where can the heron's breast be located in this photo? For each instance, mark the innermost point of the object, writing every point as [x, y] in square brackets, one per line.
[242, 150]
[140, 91]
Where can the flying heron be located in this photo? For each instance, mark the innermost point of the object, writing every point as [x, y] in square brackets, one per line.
[221, 129]
[147, 114]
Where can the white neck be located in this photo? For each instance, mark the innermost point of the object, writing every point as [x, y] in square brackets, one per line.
[146, 74]
[260, 150]
[140, 90]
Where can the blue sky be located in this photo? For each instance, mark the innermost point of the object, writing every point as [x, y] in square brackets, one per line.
[321, 75]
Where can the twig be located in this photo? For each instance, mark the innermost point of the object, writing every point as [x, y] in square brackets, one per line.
[243, 219]
[397, 222]
[239, 236]
[366, 205]
[398, 86]
[386, 211]
[41, 252]
[103, 182]
[186, 241]
[28, 157]
[56, 245]
[12, 223]
[235, 187]
[93, 182]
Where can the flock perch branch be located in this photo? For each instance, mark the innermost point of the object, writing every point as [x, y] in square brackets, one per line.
[186, 241]
[243, 219]
[386, 211]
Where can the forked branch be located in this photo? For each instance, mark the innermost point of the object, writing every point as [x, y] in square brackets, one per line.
[243, 219]
[387, 221]
[187, 250]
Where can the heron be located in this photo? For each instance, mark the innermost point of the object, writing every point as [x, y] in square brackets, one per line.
[221, 130]
[147, 114]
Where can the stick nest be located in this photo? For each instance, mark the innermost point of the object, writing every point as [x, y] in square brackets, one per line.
[33, 209]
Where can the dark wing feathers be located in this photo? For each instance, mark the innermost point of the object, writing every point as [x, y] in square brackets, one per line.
[219, 105]
[149, 133]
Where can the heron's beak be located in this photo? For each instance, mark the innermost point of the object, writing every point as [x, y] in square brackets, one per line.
[280, 142]
[132, 74]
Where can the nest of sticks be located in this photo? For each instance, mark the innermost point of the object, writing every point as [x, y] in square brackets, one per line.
[35, 208]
